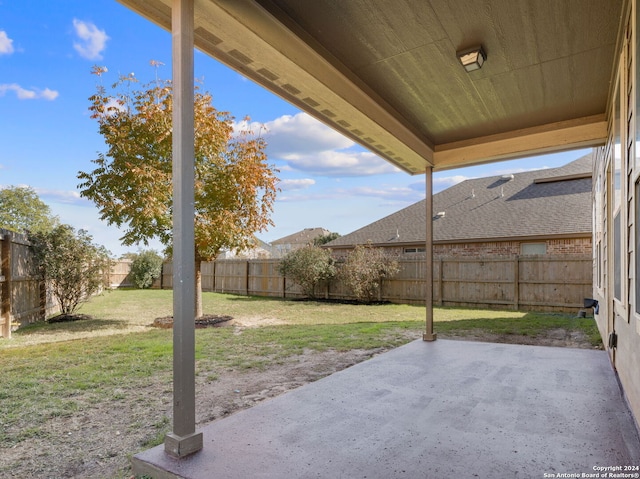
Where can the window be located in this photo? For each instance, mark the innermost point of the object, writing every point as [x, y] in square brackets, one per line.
[599, 265]
[533, 248]
[637, 248]
[617, 203]
[414, 250]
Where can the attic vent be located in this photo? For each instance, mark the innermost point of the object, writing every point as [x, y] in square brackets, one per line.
[310, 101]
[291, 89]
[268, 74]
[357, 132]
[207, 36]
[507, 177]
[346, 124]
[328, 113]
[241, 57]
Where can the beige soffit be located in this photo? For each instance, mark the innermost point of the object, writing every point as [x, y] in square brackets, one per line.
[385, 74]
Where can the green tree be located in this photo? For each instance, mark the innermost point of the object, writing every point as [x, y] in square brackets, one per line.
[324, 239]
[131, 185]
[308, 267]
[71, 264]
[21, 210]
[364, 270]
[146, 266]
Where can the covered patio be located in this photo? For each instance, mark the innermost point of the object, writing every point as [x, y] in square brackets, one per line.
[428, 410]
[394, 77]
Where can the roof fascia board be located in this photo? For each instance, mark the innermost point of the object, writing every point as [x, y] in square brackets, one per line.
[583, 132]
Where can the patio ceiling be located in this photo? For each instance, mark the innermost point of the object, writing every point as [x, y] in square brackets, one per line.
[385, 72]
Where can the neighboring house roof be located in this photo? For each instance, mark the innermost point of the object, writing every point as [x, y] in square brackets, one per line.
[260, 249]
[547, 202]
[303, 237]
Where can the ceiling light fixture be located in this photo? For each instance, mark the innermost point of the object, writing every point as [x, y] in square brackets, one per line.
[472, 58]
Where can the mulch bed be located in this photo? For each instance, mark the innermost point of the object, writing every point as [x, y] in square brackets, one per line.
[204, 321]
[63, 318]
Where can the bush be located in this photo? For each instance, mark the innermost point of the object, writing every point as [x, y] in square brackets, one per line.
[364, 270]
[71, 264]
[324, 239]
[308, 267]
[145, 268]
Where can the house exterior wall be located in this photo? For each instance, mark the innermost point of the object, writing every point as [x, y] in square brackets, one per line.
[616, 236]
[564, 246]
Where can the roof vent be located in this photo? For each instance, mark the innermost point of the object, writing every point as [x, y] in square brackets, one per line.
[507, 177]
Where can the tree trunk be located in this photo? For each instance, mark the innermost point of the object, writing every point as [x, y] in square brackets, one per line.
[198, 288]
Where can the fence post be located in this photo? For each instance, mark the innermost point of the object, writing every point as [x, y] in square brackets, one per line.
[5, 276]
[516, 282]
[246, 279]
[441, 283]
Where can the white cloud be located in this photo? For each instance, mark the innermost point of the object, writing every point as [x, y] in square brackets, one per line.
[299, 184]
[391, 194]
[6, 44]
[300, 134]
[305, 144]
[48, 94]
[341, 163]
[62, 196]
[92, 42]
[25, 94]
[445, 182]
[395, 193]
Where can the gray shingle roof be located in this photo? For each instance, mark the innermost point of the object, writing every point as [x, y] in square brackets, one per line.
[558, 203]
[305, 236]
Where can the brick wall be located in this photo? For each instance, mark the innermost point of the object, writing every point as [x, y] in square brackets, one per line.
[571, 246]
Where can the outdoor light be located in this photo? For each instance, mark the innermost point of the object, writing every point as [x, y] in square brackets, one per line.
[472, 58]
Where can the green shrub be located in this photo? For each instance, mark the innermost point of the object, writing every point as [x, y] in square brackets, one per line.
[308, 267]
[364, 270]
[73, 266]
[145, 268]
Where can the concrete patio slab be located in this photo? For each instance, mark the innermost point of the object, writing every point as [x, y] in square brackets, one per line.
[447, 409]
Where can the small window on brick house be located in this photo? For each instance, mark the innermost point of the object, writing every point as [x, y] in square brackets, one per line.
[533, 248]
[414, 250]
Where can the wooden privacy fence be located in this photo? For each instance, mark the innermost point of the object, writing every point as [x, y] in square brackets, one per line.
[23, 298]
[541, 283]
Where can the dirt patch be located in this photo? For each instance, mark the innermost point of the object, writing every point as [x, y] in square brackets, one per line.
[204, 321]
[559, 337]
[98, 439]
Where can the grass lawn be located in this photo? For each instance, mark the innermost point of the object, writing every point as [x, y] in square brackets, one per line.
[133, 311]
[57, 370]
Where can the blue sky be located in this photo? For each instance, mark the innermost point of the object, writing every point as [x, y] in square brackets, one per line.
[47, 50]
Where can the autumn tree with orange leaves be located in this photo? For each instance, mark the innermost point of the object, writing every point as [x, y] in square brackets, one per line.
[131, 185]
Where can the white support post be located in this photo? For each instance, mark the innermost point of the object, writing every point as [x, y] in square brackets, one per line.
[429, 335]
[183, 440]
